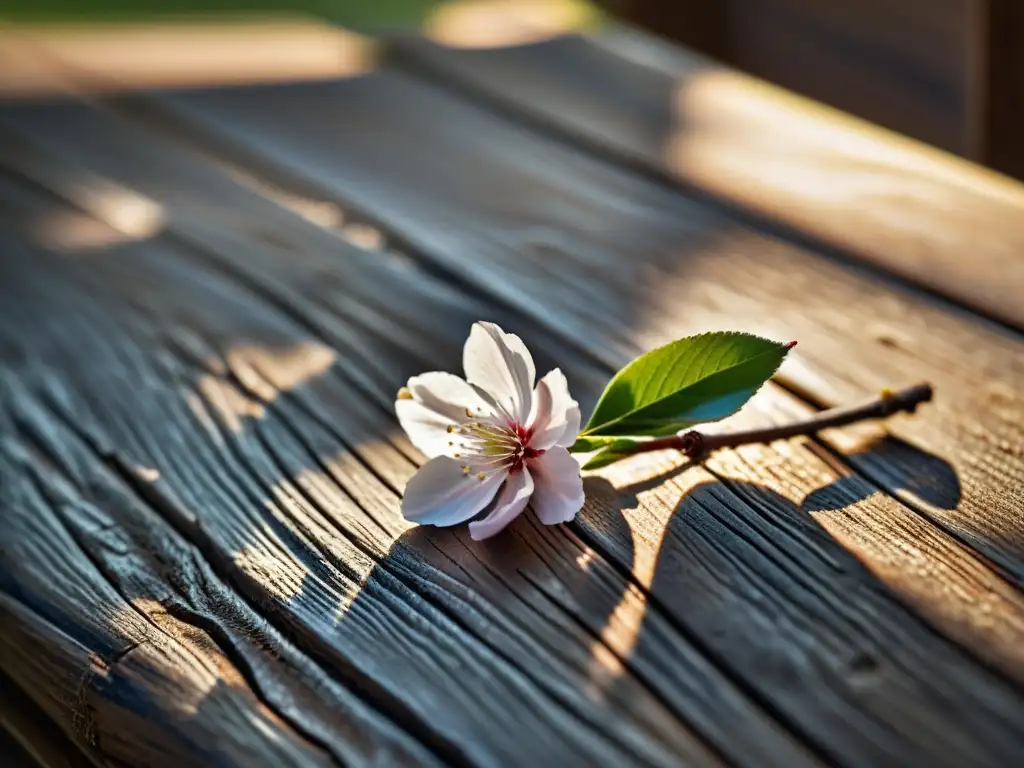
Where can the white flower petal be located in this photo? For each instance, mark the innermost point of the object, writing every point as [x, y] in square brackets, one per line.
[555, 418]
[440, 494]
[511, 502]
[572, 427]
[445, 393]
[500, 364]
[427, 429]
[558, 486]
[438, 400]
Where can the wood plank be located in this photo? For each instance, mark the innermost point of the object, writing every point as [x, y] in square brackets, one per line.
[133, 547]
[936, 221]
[646, 264]
[40, 61]
[127, 689]
[295, 499]
[884, 661]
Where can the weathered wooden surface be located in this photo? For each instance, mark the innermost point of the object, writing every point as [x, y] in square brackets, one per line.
[853, 187]
[203, 559]
[648, 263]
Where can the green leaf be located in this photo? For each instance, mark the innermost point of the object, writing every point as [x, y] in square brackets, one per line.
[615, 450]
[588, 444]
[690, 381]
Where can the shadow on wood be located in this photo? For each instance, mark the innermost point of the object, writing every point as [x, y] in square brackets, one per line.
[906, 470]
[203, 414]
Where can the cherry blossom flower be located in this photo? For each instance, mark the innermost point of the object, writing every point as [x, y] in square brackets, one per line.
[492, 436]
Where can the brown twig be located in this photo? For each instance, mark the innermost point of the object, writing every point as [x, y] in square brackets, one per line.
[696, 445]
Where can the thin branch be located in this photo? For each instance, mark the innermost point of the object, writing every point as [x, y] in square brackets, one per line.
[696, 445]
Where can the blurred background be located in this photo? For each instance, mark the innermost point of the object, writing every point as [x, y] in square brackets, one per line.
[946, 72]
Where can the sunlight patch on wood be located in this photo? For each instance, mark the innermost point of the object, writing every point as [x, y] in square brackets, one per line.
[934, 586]
[339, 496]
[760, 145]
[365, 236]
[276, 571]
[925, 567]
[619, 636]
[181, 684]
[73, 232]
[348, 597]
[193, 638]
[230, 407]
[109, 212]
[68, 231]
[268, 371]
[316, 210]
[359, 568]
[625, 622]
[99, 58]
[495, 23]
[264, 371]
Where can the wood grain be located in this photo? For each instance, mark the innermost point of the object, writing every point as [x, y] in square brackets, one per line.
[111, 679]
[619, 264]
[932, 219]
[294, 498]
[727, 567]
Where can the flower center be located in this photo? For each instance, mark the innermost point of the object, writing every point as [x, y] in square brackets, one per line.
[487, 444]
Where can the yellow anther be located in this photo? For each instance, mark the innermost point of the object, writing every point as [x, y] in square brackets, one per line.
[450, 428]
[455, 455]
[481, 476]
[887, 394]
[465, 470]
[450, 443]
[469, 414]
[404, 394]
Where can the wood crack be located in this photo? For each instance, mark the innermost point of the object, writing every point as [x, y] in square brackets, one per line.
[190, 528]
[179, 612]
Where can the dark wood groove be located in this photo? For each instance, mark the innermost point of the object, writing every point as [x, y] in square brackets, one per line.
[142, 491]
